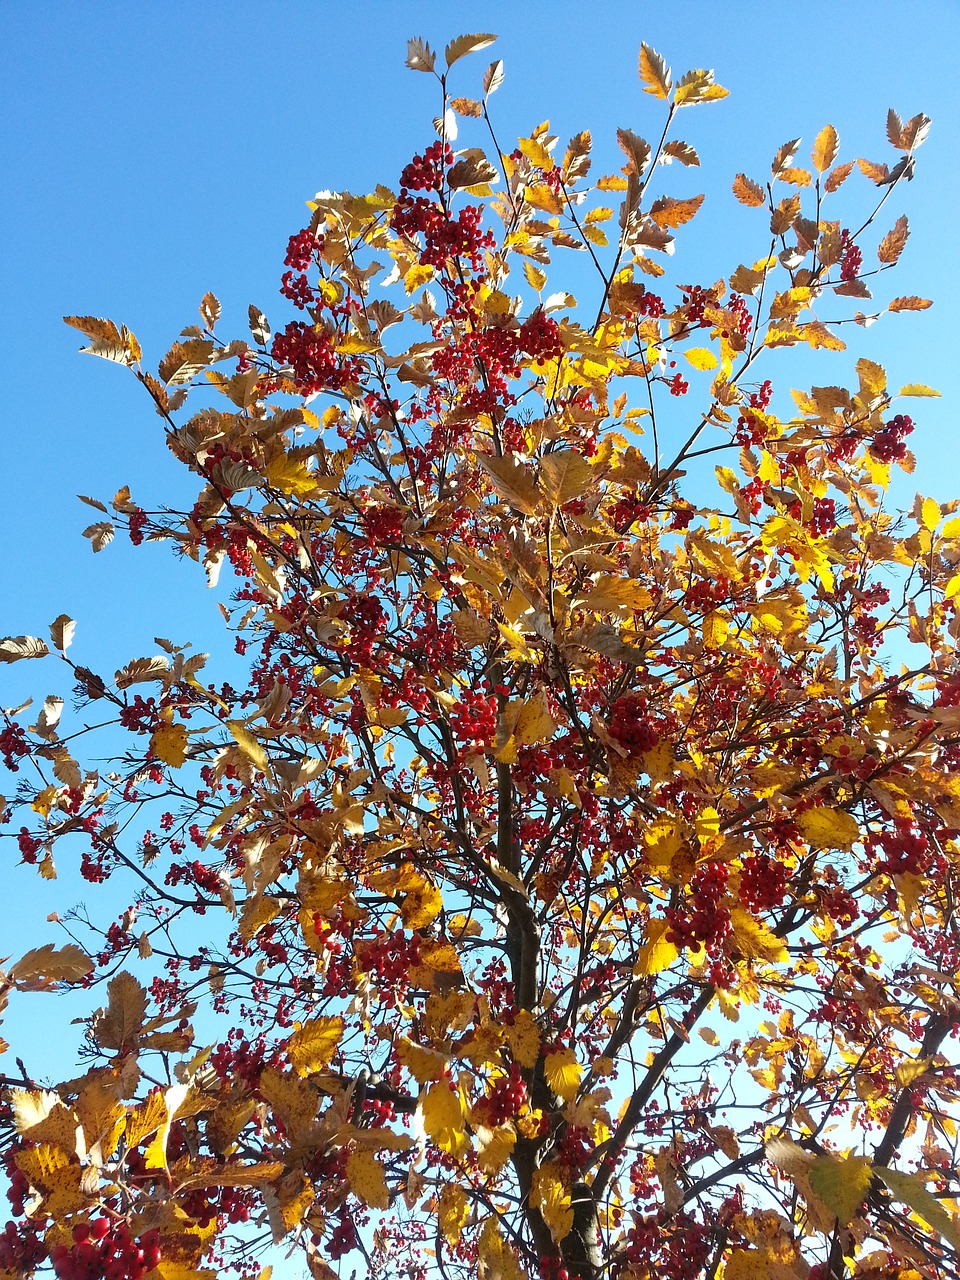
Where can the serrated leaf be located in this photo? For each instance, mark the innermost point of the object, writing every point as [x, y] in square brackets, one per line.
[654, 73]
[836, 177]
[919, 389]
[756, 940]
[13, 648]
[892, 244]
[827, 828]
[100, 534]
[46, 966]
[259, 327]
[668, 212]
[825, 148]
[210, 309]
[563, 1071]
[636, 149]
[657, 953]
[701, 358]
[463, 45]
[682, 151]
[514, 480]
[141, 669]
[749, 192]
[910, 303]
[367, 1179]
[420, 57]
[95, 327]
[698, 86]
[249, 745]
[311, 1048]
[785, 157]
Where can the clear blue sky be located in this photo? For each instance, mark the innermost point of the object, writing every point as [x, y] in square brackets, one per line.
[155, 151]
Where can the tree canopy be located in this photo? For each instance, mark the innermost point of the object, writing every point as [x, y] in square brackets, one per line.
[560, 883]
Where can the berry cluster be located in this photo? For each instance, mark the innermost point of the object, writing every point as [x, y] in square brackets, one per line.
[852, 259]
[474, 720]
[21, 1249]
[300, 249]
[678, 385]
[701, 920]
[232, 1204]
[742, 319]
[887, 445]
[316, 365]
[763, 883]
[13, 745]
[906, 851]
[106, 1251]
[383, 525]
[425, 173]
[630, 724]
[540, 337]
[504, 1100]
[444, 237]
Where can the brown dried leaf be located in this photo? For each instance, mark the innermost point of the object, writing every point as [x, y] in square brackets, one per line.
[667, 212]
[893, 243]
[749, 192]
[463, 45]
[825, 148]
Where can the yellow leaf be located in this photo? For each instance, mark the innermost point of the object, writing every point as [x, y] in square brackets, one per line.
[825, 828]
[654, 73]
[119, 1025]
[564, 476]
[563, 1073]
[825, 148]
[536, 153]
[311, 1048]
[290, 476]
[155, 1156]
[910, 1189]
[249, 745]
[452, 1211]
[169, 744]
[523, 1037]
[536, 278]
[534, 723]
[418, 275]
[494, 1146]
[701, 358]
[295, 1101]
[45, 966]
[423, 1064]
[496, 1259]
[610, 592]
[422, 905]
[749, 1264]
[715, 630]
[444, 1119]
[255, 913]
[841, 1184]
[657, 953]
[754, 939]
[552, 1198]
[930, 514]
[918, 389]
[367, 1179]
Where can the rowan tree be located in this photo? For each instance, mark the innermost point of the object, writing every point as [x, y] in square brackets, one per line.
[565, 886]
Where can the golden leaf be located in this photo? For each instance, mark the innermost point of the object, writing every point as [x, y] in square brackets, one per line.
[169, 743]
[367, 1179]
[701, 358]
[444, 1118]
[423, 904]
[910, 1189]
[463, 45]
[916, 388]
[312, 1046]
[295, 1101]
[257, 911]
[654, 73]
[563, 1072]
[825, 148]
[513, 481]
[930, 514]
[667, 212]
[754, 939]
[656, 953]
[549, 1194]
[155, 1156]
[909, 303]
[494, 1146]
[119, 1025]
[249, 745]
[44, 967]
[749, 192]
[841, 1184]
[424, 1064]
[452, 1211]
[564, 476]
[892, 244]
[523, 1037]
[825, 828]
[496, 1259]
[715, 630]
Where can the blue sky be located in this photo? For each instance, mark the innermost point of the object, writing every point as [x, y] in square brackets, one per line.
[156, 151]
